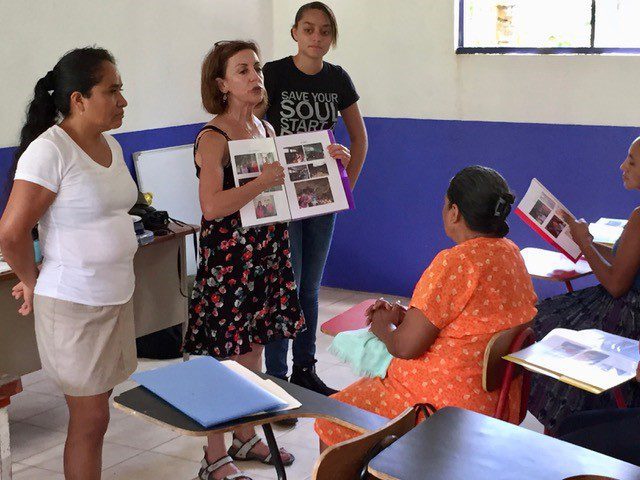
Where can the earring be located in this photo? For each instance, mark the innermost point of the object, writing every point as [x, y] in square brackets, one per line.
[224, 97]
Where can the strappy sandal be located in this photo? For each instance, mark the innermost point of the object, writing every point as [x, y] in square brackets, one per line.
[207, 469]
[240, 451]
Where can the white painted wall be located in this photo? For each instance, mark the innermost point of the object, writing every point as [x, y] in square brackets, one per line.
[401, 57]
[158, 44]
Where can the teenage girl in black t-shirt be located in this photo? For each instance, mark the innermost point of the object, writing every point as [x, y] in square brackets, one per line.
[305, 94]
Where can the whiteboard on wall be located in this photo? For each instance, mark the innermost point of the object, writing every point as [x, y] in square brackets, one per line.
[170, 175]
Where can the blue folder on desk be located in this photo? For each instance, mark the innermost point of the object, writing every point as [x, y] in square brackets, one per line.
[207, 391]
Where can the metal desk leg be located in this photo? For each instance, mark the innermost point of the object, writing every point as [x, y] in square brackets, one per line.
[5, 451]
[569, 286]
[184, 288]
[617, 394]
[275, 451]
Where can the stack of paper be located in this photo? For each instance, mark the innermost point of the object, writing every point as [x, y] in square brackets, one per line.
[607, 231]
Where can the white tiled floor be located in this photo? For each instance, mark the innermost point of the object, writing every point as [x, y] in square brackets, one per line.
[135, 449]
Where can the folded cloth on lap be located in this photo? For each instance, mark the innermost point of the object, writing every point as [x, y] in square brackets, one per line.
[365, 352]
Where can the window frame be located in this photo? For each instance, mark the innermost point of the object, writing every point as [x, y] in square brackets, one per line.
[591, 50]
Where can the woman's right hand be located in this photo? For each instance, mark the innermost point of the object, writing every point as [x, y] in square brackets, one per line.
[381, 304]
[580, 232]
[19, 291]
[272, 175]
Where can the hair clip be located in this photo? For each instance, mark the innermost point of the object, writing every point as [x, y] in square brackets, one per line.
[500, 206]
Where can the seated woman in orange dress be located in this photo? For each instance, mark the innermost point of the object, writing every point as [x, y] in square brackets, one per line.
[467, 294]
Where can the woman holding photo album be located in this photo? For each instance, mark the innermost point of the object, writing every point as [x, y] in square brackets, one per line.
[244, 295]
[613, 307]
[306, 94]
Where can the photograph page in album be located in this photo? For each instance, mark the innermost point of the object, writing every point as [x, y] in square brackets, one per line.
[315, 183]
[591, 359]
[247, 159]
[313, 179]
[548, 217]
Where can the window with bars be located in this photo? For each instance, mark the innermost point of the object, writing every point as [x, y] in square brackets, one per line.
[549, 26]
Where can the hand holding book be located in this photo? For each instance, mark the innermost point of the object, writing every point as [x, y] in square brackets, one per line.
[339, 152]
[580, 232]
[272, 176]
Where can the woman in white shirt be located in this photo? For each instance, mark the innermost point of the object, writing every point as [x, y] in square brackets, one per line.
[71, 179]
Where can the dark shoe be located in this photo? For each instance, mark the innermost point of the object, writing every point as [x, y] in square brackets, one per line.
[286, 422]
[306, 377]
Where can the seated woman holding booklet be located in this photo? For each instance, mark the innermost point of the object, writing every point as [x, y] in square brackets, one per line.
[244, 295]
[468, 293]
[613, 307]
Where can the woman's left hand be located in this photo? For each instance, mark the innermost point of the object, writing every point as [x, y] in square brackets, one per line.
[580, 232]
[380, 321]
[340, 152]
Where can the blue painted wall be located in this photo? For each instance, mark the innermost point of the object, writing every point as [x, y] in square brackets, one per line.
[396, 229]
[131, 142]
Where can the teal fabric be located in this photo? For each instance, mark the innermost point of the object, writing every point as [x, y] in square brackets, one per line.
[361, 349]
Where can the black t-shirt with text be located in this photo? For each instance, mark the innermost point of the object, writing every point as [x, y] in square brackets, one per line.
[306, 103]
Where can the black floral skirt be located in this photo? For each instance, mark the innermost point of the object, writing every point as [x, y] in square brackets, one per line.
[244, 291]
[551, 401]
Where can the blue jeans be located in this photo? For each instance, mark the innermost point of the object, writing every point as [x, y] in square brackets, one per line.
[310, 241]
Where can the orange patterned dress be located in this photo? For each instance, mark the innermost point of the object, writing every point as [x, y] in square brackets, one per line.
[469, 292]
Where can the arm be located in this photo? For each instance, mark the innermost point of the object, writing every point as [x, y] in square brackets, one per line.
[216, 202]
[605, 252]
[616, 276]
[27, 203]
[359, 141]
[413, 335]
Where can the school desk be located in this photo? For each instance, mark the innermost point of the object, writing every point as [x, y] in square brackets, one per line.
[141, 403]
[457, 444]
[554, 266]
[351, 319]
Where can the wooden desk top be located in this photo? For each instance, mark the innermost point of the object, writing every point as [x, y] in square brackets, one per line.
[9, 385]
[142, 403]
[456, 444]
[177, 231]
[551, 265]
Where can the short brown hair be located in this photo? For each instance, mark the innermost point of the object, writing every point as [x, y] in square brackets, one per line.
[214, 66]
[324, 9]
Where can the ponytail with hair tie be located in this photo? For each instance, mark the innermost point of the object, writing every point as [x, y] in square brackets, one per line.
[77, 71]
[49, 81]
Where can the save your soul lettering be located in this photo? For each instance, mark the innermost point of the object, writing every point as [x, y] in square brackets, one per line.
[307, 111]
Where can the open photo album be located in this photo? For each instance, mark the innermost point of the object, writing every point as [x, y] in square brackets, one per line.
[592, 360]
[315, 183]
[547, 216]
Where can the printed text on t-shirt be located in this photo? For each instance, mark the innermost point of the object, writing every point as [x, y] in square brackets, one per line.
[307, 111]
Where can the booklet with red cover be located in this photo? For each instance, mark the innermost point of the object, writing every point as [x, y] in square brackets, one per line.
[545, 214]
